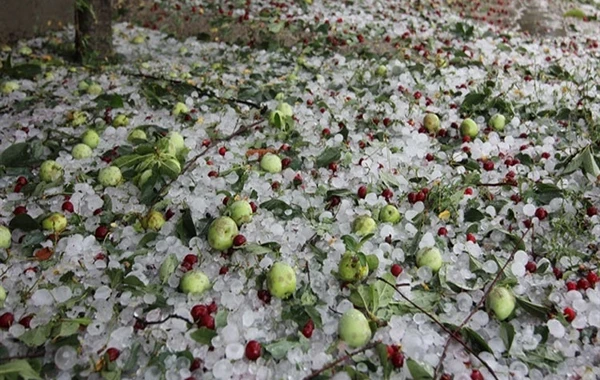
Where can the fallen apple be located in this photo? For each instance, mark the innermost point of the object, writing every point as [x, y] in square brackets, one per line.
[221, 233]
[431, 122]
[5, 237]
[430, 257]
[354, 328]
[350, 268]
[55, 222]
[271, 163]
[469, 128]
[240, 211]
[94, 89]
[389, 214]
[364, 225]
[9, 87]
[502, 302]
[154, 220]
[50, 171]
[180, 108]
[177, 140]
[90, 138]
[497, 122]
[137, 134]
[120, 121]
[194, 282]
[2, 296]
[110, 176]
[81, 151]
[281, 280]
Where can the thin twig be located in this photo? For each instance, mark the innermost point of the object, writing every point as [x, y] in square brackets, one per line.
[25, 356]
[453, 334]
[170, 316]
[482, 300]
[201, 91]
[513, 184]
[339, 360]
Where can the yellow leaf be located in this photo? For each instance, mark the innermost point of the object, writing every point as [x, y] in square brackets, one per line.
[444, 215]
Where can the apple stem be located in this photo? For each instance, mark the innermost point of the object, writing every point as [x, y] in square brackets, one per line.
[341, 359]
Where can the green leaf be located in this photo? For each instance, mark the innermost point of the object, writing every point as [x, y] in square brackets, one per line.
[111, 375]
[473, 215]
[24, 222]
[328, 156]
[109, 100]
[68, 328]
[478, 344]
[129, 160]
[221, 318]
[36, 336]
[545, 192]
[23, 71]
[507, 334]
[350, 243]
[472, 99]
[279, 208]
[15, 156]
[132, 280]
[149, 237]
[314, 314]
[382, 353]
[20, 368]
[384, 291]
[539, 311]
[203, 335]
[419, 371]
[279, 349]
[361, 296]
[575, 13]
[167, 268]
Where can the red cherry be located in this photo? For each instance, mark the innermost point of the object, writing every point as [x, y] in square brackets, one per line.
[196, 363]
[396, 270]
[471, 238]
[98, 211]
[6, 320]
[207, 321]
[412, 197]
[264, 295]
[420, 197]
[169, 214]
[190, 259]
[591, 211]
[325, 132]
[569, 314]
[198, 311]
[476, 375]
[213, 173]
[308, 328]
[531, 267]
[101, 232]
[391, 350]
[205, 143]
[68, 207]
[286, 162]
[18, 188]
[20, 210]
[113, 354]
[546, 155]
[429, 157]
[212, 307]
[333, 167]
[387, 194]
[22, 181]
[442, 231]
[466, 139]
[488, 166]
[468, 191]
[362, 192]
[275, 185]
[254, 207]
[541, 213]
[222, 150]
[387, 121]
[26, 321]
[239, 240]
[571, 285]
[224, 270]
[397, 359]
[558, 273]
[592, 277]
[583, 284]
[253, 349]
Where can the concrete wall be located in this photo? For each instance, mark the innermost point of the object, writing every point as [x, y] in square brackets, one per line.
[26, 18]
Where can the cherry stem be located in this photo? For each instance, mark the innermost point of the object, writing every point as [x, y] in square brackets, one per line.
[341, 359]
[481, 301]
[452, 334]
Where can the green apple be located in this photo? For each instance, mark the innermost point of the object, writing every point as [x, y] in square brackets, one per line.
[120, 121]
[281, 280]
[180, 108]
[110, 176]
[154, 220]
[469, 128]
[83, 86]
[497, 122]
[430, 257]
[502, 302]
[221, 233]
[139, 39]
[2, 296]
[81, 151]
[56, 222]
[354, 328]
[50, 171]
[240, 211]
[78, 118]
[5, 237]
[389, 214]
[194, 282]
[90, 138]
[364, 225]
[25, 50]
[431, 122]
[381, 71]
[271, 163]
[351, 269]
[94, 89]
[137, 134]
[9, 87]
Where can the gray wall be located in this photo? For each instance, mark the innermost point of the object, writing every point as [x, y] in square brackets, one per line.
[26, 18]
